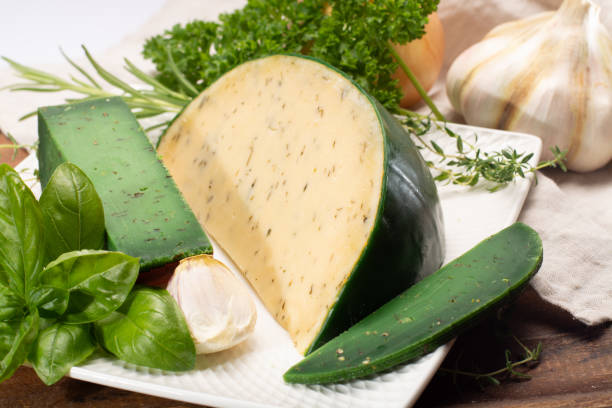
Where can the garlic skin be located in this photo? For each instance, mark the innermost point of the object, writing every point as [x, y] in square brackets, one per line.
[549, 75]
[217, 306]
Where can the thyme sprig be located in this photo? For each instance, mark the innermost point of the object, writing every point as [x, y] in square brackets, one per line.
[509, 371]
[470, 164]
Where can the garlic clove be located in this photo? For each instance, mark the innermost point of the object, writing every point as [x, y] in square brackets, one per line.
[548, 75]
[217, 306]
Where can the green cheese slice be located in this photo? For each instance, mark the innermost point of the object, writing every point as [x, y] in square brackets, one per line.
[145, 214]
[312, 188]
[431, 312]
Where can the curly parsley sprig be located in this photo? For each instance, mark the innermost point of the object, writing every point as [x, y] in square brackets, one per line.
[351, 35]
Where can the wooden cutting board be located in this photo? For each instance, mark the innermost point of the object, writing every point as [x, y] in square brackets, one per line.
[9, 155]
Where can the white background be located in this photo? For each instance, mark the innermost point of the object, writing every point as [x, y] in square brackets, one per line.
[31, 31]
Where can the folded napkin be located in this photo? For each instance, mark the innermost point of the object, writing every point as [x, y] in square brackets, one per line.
[570, 211]
[577, 270]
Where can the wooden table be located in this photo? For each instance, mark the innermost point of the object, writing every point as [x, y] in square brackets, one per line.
[575, 368]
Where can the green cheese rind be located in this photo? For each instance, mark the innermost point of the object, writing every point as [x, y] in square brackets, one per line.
[145, 214]
[407, 240]
[431, 312]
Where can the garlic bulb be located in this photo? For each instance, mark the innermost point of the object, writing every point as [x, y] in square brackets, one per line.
[549, 75]
[218, 308]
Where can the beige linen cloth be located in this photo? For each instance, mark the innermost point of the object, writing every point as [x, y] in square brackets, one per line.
[572, 212]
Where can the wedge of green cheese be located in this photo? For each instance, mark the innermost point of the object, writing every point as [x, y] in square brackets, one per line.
[431, 312]
[313, 189]
[145, 214]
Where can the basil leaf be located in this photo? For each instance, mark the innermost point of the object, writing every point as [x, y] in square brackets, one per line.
[16, 338]
[44, 322]
[72, 212]
[60, 347]
[21, 234]
[8, 328]
[98, 282]
[12, 307]
[149, 330]
[50, 301]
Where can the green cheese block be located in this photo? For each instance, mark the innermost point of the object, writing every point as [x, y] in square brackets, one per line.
[431, 312]
[145, 214]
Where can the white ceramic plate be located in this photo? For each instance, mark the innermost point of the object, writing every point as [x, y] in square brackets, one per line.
[250, 375]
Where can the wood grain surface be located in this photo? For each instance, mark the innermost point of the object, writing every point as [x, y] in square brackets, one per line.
[575, 368]
[9, 155]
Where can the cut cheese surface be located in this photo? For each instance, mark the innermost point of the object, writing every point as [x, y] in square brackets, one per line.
[145, 214]
[283, 161]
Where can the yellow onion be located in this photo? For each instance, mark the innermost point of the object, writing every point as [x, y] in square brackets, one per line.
[424, 57]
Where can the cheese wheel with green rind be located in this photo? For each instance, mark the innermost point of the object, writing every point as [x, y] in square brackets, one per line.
[312, 188]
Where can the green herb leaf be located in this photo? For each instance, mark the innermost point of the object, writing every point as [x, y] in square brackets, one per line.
[459, 144]
[182, 41]
[51, 302]
[437, 148]
[73, 215]
[12, 307]
[60, 347]
[98, 282]
[149, 330]
[21, 235]
[16, 338]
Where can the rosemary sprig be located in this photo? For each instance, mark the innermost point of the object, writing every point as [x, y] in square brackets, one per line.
[155, 100]
[509, 371]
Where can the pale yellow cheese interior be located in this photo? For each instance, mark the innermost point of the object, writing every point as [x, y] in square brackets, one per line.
[282, 162]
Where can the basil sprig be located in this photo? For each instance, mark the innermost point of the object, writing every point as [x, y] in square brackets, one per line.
[48, 313]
